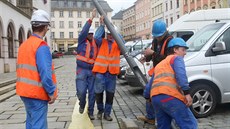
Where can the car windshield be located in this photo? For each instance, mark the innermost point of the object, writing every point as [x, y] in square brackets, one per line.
[197, 41]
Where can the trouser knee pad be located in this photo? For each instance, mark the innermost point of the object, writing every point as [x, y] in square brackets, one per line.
[99, 97]
[109, 97]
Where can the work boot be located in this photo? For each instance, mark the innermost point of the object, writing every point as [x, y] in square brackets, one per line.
[146, 120]
[91, 117]
[108, 118]
[99, 115]
[81, 110]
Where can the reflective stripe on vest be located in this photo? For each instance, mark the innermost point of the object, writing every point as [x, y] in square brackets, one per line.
[107, 61]
[165, 80]
[26, 80]
[87, 58]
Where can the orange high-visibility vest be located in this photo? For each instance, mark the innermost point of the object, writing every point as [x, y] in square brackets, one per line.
[87, 58]
[151, 71]
[28, 79]
[106, 61]
[165, 81]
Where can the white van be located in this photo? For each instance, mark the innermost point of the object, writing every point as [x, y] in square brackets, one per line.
[208, 67]
[188, 24]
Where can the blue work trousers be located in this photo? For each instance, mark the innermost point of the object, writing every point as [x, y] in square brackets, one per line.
[85, 81]
[36, 113]
[168, 108]
[150, 110]
[105, 82]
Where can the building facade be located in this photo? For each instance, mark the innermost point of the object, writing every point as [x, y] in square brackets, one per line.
[171, 9]
[129, 23]
[15, 30]
[68, 19]
[193, 5]
[143, 19]
[118, 21]
[157, 11]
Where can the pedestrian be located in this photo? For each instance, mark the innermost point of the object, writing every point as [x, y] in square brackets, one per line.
[170, 89]
[86, 55]
[156, 53]
[36, 81]
[106, 68]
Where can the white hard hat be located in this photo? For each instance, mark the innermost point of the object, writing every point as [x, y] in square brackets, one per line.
[40, 17]
[91, 30]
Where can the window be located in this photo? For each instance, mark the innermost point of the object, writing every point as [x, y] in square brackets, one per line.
[166, 6]
[185, 2]
[79, 24]
[79, 14]
[70, 34]
[62, 35]
[177, 3]
[70, 24]
[171, 20]
[225, 37]
[178, 16]
[167, 22]
[52, 14]
[52, 35]
[171, 5]
[96, 24]
[52, 24]
[61, 24]
[70, 13]
[87, 14]
[61, 47]
[61, 14]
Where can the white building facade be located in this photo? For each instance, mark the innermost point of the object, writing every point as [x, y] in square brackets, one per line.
[68, 19]
[171, 9]
[14, 29]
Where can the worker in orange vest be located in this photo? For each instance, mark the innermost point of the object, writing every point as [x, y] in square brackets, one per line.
[157, 53]
[86, 55]
[170, 89]
[106, 68]
[36, 81]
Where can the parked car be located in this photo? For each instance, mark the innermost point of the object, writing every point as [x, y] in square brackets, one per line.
[57, 54]
[188, 24]
[208, 68]
[129, 75]
[134, 49]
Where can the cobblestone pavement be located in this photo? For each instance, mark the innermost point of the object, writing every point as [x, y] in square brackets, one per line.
[128, 103]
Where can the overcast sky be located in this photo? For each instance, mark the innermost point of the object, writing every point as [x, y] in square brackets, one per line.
[117, 5]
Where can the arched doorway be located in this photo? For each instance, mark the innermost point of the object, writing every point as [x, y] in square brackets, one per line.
[10, 37]
[21, 37]
[28, 34]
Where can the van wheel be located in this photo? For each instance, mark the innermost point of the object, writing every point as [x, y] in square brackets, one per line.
[204, 100]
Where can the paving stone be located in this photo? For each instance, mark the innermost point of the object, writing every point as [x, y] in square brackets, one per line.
[128, 124]
[64, 118]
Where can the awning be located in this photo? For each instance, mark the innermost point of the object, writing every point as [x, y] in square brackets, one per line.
[73, 46]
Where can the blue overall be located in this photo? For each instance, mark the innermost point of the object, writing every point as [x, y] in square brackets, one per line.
[150, 114]
[168, 107]
[36, 110]
[105, 82]
[84, 76]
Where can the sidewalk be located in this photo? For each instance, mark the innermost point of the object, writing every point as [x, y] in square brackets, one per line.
[7, 76]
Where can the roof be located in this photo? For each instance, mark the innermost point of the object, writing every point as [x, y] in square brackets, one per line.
[118, 15]
[79, 5]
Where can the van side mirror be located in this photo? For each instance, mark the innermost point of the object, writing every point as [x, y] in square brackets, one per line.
[219, 46]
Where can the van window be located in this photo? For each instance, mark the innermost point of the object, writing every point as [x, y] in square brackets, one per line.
[197, 41]
[225, 37]
[185, 35]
